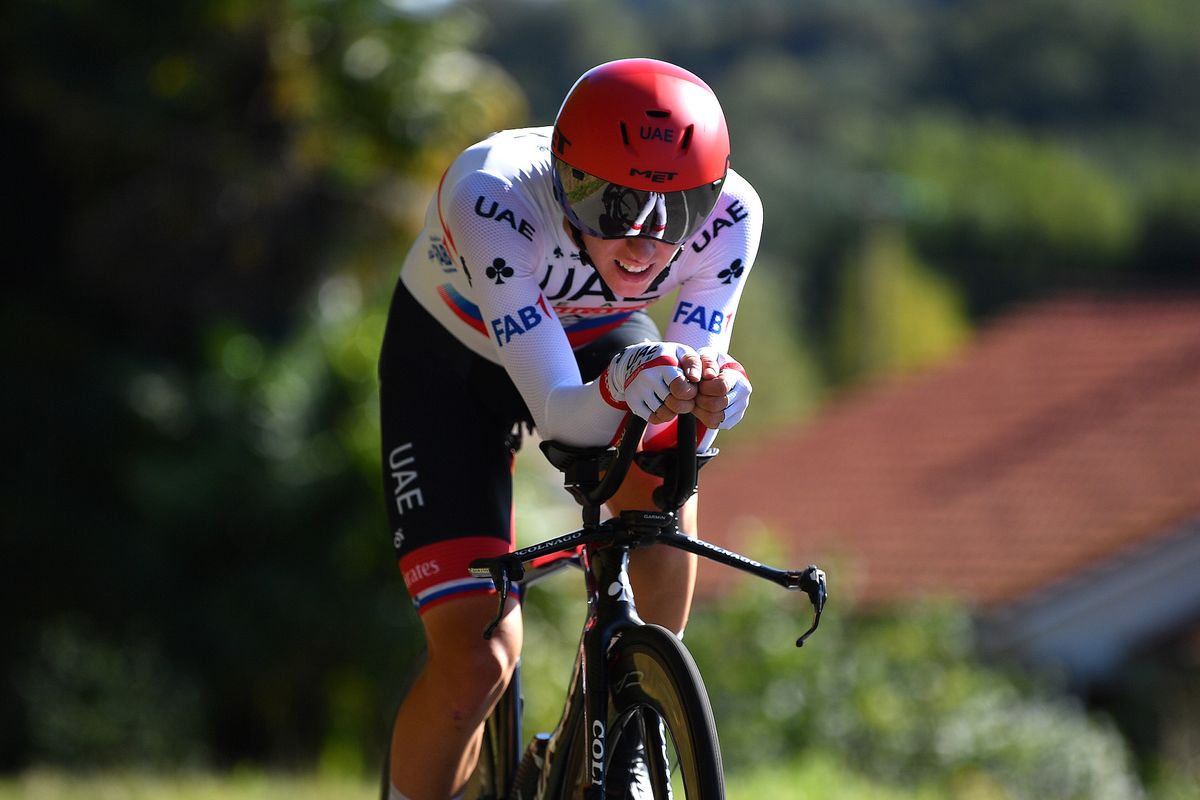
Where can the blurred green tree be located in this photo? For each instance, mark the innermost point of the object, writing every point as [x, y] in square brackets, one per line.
[213, 196]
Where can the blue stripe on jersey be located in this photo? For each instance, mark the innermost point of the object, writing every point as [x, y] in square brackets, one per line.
[460, 303]
[587, 323]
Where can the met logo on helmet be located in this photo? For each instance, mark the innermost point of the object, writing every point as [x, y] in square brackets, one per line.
[558, 142]
[655, 175]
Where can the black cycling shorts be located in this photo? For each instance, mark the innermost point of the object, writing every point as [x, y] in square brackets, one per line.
[451, 426]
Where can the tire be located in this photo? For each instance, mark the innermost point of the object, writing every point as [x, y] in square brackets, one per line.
[656, 686]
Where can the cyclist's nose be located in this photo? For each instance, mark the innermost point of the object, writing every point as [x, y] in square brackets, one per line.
[640, 249]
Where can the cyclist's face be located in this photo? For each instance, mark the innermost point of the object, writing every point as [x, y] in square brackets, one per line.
[630, 264]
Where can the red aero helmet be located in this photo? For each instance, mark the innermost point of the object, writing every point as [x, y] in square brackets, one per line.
[640, 149]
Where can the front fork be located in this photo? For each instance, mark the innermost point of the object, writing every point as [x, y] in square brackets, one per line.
[610, 598]
[584, 725]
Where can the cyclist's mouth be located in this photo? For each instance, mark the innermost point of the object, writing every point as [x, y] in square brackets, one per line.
[633, 269]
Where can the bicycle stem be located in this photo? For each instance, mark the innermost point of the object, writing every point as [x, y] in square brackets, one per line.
[614, 476]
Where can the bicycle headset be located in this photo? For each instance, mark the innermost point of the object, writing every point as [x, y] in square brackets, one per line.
[640, 148]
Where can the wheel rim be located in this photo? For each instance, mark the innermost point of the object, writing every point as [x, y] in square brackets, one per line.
[648, 692]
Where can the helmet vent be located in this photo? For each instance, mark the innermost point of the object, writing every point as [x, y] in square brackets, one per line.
[686, 139]
[658, 113]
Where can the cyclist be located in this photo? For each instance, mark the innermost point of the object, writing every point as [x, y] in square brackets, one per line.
[521, 304]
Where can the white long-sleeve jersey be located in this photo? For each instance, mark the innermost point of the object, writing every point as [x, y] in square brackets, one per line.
[496, 265]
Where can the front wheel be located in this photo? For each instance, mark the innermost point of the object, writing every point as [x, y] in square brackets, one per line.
[663, 738]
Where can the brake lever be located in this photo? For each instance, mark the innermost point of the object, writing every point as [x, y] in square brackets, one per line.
[812, 582]
[503, 572]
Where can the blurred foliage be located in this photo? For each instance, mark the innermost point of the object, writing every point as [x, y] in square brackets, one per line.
[216, 196]
[239, 785]
[903, 697]
[897, 697]
[207, 204]
[102, 702]
[894, 313]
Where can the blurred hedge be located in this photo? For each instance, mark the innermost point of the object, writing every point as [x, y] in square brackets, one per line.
[900, 698]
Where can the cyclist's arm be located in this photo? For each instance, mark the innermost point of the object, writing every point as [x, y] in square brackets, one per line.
[717, 263]
[706, 309]
[533, 348]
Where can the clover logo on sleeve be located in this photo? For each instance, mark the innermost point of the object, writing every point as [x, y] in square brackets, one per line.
[499, 270]
[733, 272]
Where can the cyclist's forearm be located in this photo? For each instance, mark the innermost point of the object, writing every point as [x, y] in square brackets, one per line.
[578, 415]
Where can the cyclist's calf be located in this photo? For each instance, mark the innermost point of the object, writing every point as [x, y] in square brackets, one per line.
[437, 729]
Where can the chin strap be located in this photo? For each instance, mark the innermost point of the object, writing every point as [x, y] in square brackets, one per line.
[577, 236]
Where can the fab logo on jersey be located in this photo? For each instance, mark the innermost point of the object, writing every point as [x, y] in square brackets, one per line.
[692, 314]
[520, 322]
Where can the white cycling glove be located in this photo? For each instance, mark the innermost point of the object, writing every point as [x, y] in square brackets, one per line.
[739, 395]
[639, 377]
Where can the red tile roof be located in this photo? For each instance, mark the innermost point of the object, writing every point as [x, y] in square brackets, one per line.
[1065, 433]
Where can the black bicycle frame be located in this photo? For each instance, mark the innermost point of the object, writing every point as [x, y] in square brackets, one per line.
[593, 476]
[586, 710]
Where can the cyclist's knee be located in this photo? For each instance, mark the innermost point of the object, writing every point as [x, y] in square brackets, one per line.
[474, 668]
[487, 662]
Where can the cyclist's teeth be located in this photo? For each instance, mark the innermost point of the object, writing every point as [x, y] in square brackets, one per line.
[628, 268]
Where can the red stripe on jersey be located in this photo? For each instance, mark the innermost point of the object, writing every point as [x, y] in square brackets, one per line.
[580, 338]
[441, 219]
[477, 324]
[620, 429]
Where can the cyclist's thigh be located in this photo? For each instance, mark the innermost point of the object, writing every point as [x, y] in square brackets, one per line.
[447, 419]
